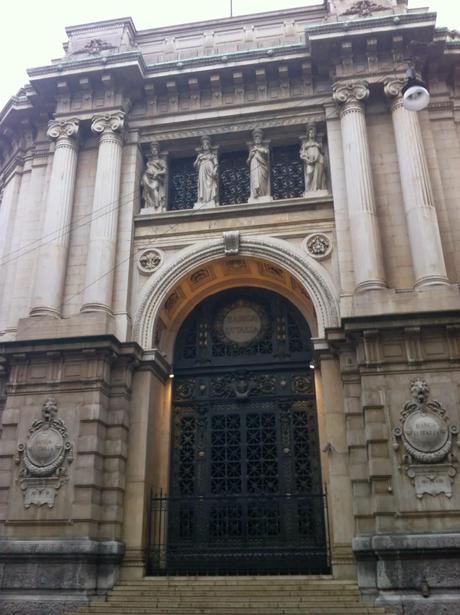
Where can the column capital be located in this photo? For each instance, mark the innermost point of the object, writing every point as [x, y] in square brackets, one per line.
[392, 87]
[108, 123]
[63, 129]
[348, 92]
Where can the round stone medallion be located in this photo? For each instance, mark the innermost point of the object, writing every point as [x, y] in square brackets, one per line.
[241, 324]
[45, 447]
[425, 432]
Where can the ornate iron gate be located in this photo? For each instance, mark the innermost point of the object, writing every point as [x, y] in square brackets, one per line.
[245, 492]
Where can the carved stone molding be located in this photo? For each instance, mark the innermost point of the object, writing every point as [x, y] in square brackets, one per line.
[149, 260]
[44, 457]
[426, 436]
[309, 273]
[350, 95]
[108, 123]
[63, 129]
[231, 243]
[317, 245]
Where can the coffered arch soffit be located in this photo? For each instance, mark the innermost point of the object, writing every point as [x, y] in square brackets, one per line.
[164, 304]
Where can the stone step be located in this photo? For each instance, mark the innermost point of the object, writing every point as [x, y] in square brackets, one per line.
[242, 595]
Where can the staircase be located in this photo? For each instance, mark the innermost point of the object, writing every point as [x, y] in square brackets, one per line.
[236, 595]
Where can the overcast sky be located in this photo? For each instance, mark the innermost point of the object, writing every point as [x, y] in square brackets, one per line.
[33, 30]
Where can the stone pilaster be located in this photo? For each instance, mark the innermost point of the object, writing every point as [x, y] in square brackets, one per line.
[422, 221]
[103, 232]
[365, 236]
[52, 259]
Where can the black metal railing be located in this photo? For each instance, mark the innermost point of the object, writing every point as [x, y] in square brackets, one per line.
[260, 534]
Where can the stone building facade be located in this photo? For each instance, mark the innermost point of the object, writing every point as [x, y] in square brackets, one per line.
[210, 201]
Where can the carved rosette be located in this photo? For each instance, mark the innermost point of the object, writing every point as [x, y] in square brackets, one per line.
[318, 245]
[149, 260]
[350, 96]
[392, 88]
[64, 132]
[426, 436]
[109, 125]
[44, 457]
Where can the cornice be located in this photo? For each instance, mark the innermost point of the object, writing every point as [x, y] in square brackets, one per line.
[370, 24]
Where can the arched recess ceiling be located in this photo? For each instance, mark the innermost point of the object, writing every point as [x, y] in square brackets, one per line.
[204, 268]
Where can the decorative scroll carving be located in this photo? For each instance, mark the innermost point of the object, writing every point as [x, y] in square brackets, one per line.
[94, 47]
[364, 8]
[149, 260]
[63, 128]
[44, 457]
[154, 178]
[427, 440]
[311, 152]
[318, 245]
[231, 242]
[259, 167]
[207, 166]
[350, 92]
[108, 122]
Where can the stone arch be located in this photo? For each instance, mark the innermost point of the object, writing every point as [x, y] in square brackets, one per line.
[310, 274]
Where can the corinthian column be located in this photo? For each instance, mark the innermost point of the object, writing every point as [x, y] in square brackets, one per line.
[365, 236]
[103, 232]
[422, 222]
[52, 259]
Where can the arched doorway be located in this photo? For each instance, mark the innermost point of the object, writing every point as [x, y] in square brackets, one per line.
[245, 489]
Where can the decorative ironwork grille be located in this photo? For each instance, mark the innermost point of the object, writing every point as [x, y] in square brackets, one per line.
[234, 178]
[182, 184]
[245, 492]
[287, 174]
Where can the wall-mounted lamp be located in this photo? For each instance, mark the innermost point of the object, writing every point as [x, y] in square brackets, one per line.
[415, 94]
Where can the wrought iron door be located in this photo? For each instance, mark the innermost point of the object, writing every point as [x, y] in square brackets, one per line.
[245, 490]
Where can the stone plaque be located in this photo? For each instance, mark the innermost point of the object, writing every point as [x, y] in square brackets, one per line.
[425, 432]
[432, 480]
[45, 447]
[43, 458]
[427, 438]
[241, 325]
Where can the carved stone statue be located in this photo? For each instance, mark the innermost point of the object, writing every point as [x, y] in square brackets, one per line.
[207, 166]
[311, 153]
[259, 167]
[153, 180]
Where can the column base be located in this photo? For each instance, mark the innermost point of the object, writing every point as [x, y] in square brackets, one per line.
[96, 307]
[431, 280]
[205, 205]
[260, 199]
[45, 311]
[370, 285]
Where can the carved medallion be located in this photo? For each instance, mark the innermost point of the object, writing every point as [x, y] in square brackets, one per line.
[318, 245]
[43, 458]
[241, 323]
[427, 438]
[149, 260]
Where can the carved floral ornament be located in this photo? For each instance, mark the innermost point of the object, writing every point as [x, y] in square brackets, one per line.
[318, 245]
[44, 457]
[427, 438]
[149, 260]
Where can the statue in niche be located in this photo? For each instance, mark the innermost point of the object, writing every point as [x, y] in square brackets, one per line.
[207, 166]
[311, 153]
[153, 180]
[259, 167]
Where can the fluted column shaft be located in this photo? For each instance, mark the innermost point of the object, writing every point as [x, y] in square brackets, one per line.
[52, 259]
[103, 232]
[422, 222]
[365, 236]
